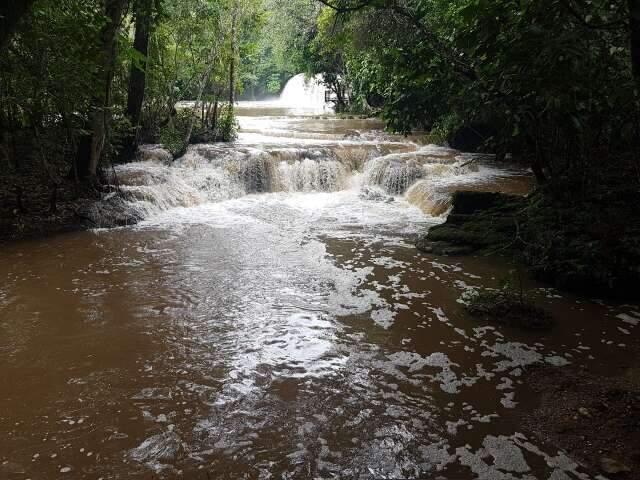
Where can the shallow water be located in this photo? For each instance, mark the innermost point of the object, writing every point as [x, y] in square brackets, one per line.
[270, 318]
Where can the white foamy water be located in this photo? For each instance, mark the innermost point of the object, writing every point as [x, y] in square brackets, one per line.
[303, 93]
[423, 176]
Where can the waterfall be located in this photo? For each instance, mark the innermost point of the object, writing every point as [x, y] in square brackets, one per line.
[310, 175]
[425, 177]
[393, 175]
[302, 93]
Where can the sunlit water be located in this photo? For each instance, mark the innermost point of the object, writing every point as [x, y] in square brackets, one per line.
[270, 318]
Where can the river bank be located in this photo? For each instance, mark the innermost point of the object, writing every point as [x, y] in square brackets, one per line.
[27, 210]
[591, 412]
[587, 246]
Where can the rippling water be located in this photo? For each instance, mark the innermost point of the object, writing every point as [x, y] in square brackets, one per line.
[270, 318]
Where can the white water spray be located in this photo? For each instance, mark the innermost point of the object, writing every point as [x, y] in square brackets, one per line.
[303, 93]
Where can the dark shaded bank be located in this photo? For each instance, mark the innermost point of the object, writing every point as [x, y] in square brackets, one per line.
[32, 208]
[590, 246]
[594, 417]
[40, 198]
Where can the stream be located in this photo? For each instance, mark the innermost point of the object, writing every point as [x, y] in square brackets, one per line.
[270, 317]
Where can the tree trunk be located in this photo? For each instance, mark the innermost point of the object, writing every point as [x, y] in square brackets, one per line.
[213, 53]
[214, 116]
[207, 114]
[101, 115]
[11, 12]
[634, 23]
[137, 78]
[80, 167]
[232, 63]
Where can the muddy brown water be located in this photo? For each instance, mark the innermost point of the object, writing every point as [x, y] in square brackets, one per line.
[291, 333]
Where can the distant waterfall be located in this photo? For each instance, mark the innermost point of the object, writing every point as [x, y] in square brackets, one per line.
[302, 93]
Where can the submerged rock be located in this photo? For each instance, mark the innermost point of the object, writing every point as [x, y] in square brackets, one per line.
[112, 211]
[443, 248]
[163, 447]
[478, 220]
[375, 195]
[613, 466]
[507, 308]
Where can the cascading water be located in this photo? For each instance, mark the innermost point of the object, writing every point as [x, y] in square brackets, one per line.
[424, 177]
[292, 154]
[300, 92]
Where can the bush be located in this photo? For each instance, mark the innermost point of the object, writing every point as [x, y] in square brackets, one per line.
[227, 125]
[173, 133]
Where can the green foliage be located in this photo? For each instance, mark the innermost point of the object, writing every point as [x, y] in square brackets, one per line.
[442, 129]
[227, 125]
[279, 43]
[173, 134]
[589, 246]
[53, 72]
[553, 83]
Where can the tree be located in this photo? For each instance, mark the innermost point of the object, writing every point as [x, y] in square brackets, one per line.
[143, 16]
[233, 53]
[634, 25]
[113, 10]
[11, 13]
[547, 81]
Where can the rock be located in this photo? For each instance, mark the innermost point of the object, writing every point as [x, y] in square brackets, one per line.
[613, 466]
[164, 447]
[154, 153]
[442, 248]
[584, 412]
[507, 308]
[467, 202]
[112, 211]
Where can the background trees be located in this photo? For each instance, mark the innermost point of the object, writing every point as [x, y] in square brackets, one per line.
[550, 81]
[554, 82]
[86, 80]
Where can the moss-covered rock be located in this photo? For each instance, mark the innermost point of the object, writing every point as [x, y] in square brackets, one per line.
[478, 221]
[507, 308]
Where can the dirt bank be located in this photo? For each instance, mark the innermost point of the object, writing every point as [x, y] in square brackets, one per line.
[593, 415]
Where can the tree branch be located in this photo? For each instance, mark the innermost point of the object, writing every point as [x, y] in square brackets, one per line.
[434, 41]
[344, 8]
[582, 20]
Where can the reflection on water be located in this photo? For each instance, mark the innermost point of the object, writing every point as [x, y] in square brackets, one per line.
[270, 318]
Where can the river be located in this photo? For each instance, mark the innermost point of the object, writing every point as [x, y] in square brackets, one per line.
[270, 317]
